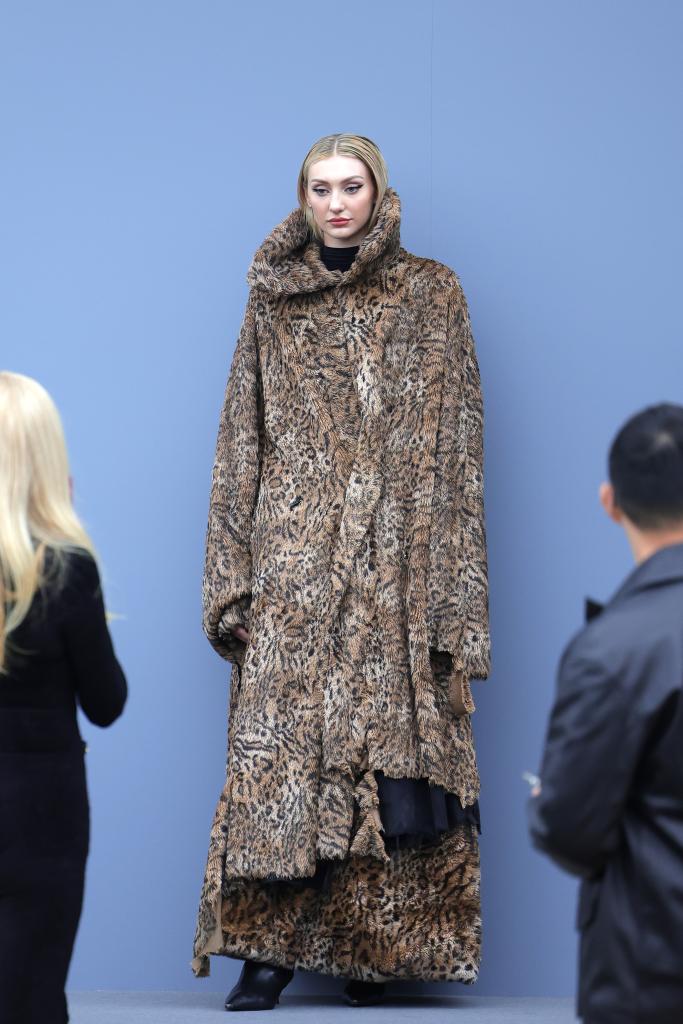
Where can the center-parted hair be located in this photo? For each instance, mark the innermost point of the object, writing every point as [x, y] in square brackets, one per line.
[646, 467]
[344, 144]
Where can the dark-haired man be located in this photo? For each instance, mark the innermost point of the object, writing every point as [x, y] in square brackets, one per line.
[609, 806]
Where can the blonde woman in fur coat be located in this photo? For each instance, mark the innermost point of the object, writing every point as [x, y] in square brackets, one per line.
[346, 582]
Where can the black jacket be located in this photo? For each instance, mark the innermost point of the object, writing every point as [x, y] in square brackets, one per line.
[611, 802]
[59, 657]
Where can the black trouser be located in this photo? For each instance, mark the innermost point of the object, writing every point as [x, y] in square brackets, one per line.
[44, 838]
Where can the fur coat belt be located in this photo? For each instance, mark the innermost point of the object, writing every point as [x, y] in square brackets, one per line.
[346, 532]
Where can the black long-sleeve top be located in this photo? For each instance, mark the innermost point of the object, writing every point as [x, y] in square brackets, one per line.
[61, 655]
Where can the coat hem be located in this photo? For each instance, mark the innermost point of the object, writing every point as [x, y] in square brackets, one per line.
[350, 929]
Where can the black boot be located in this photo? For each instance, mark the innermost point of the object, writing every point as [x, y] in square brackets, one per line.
[258, 986]
[364, 993]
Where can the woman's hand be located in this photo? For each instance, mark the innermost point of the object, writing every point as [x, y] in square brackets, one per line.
[241, 633]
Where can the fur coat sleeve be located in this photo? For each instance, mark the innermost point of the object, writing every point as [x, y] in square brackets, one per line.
[234, 488]
[458, 572]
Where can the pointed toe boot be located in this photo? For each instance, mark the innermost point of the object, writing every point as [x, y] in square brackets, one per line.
[258, 986]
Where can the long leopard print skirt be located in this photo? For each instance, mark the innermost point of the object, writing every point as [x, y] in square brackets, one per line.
[416, 916]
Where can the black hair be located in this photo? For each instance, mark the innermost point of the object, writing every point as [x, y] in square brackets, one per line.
[646, 467]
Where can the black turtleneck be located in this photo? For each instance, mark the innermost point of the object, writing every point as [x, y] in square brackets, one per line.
[338, 257]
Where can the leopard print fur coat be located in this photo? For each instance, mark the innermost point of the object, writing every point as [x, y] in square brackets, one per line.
[346, 532]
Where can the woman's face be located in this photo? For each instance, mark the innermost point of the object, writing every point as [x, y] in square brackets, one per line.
[341, 187]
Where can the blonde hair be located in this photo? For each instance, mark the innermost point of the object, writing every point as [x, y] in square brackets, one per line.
[345, 144]
[36, 511]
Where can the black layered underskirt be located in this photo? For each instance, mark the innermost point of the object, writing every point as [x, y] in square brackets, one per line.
[414, 813]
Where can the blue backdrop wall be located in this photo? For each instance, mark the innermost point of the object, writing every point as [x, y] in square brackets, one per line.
[148, 148]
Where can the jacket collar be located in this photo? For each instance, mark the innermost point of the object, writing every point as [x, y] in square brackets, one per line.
[288, 260]
[664, 566]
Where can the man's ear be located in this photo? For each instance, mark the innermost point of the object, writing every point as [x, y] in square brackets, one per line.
[606, 494]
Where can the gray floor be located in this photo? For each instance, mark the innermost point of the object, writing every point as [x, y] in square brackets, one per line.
[189, 1007]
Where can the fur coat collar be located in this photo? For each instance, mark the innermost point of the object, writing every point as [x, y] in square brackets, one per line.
[288, 261]
[346, 532]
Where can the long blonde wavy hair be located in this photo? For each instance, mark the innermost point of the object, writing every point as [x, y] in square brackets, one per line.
[345, 144]
[36, 510]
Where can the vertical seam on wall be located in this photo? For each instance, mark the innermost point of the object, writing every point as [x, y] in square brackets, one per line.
[431, 122]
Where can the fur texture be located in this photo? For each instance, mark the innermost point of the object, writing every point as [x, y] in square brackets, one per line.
[346, 532]
[415, 917]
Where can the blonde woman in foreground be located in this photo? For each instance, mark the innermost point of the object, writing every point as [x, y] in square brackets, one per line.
[55, 652]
